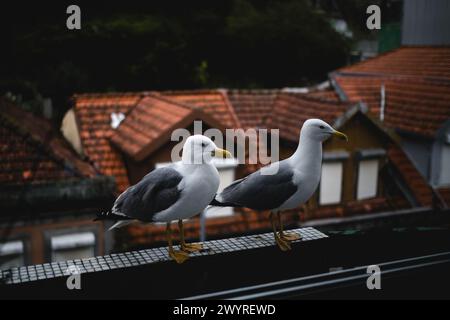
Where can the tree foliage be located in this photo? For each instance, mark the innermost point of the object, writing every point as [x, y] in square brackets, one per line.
[167, 45]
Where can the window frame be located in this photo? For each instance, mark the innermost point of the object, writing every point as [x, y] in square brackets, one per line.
[50, 233]
[368, 154]
[24, 238]
[338, 156]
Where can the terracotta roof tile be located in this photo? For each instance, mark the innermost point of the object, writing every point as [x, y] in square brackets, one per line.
[150, 116]
[32, 152]
[212, 102]
[94, 118]
[418, 106]
[292, 109]
[252, 107]
[418, 185]
[417, 86]
[147, 122]
[409, 61]
[328, 95]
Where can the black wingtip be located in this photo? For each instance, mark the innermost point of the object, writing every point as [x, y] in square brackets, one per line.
[101, 216]
[217, 203]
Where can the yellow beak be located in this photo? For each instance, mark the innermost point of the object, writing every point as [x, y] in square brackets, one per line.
[221, 153]
[340, 135]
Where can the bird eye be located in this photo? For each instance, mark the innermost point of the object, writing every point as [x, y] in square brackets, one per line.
[203, 145]
[321, 127]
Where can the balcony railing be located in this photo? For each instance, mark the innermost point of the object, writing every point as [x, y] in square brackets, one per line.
[143, 257]
[319, 265]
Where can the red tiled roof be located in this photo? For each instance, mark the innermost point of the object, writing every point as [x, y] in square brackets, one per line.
[417, 105]
[418, 185]
[444, 193]
[423, 62]
[150, 124]
[94, 118]
[151, 116]
[292, 109]
[252, 107]
[32, 152]
[212, 102]
[147, 122]
[417, 87]
[328, 95]
[365, 89]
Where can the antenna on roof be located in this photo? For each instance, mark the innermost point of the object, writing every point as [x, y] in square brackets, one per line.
[382, 102]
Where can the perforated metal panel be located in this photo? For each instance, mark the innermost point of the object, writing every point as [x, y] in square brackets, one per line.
[142, 257]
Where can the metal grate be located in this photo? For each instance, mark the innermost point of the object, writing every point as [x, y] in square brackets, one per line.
[142, 257]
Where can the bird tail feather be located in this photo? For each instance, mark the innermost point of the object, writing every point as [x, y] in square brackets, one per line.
[120, 224]
[102, 216]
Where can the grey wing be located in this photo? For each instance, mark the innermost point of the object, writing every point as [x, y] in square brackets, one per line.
[156, 192]
[261, 192]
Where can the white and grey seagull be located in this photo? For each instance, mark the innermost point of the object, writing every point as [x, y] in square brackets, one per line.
[294, 182]
[176, 192]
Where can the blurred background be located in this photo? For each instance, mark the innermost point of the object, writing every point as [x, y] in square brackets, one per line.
[86, 113]
[163, 45]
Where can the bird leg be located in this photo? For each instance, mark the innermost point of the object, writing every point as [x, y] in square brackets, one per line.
[282, 244]
[285, 236]
[178, 256]
[193, 247]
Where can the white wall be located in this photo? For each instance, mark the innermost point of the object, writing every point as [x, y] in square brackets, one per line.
[70, 131]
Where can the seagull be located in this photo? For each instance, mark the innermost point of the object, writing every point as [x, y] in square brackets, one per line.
[176, 192]
[294, 181]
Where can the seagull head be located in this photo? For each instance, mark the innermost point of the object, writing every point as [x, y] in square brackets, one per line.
[320, 131]
[199, 149]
